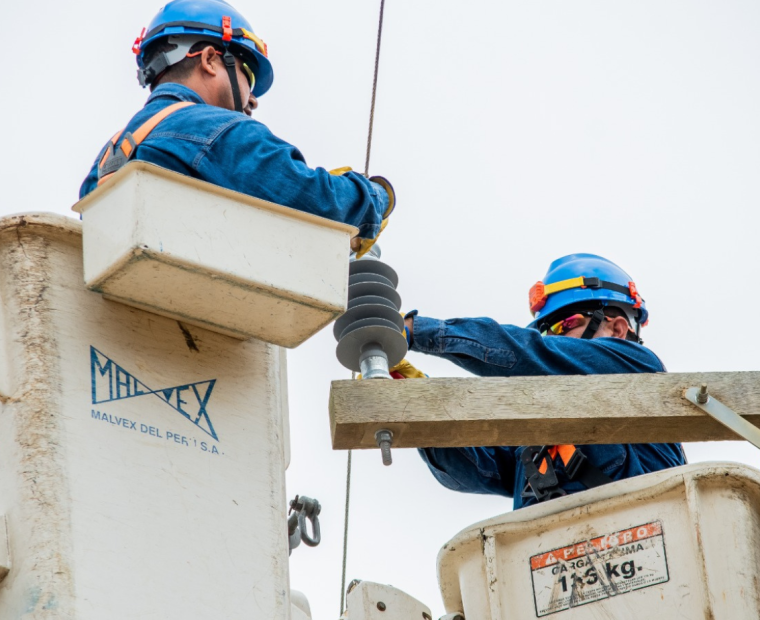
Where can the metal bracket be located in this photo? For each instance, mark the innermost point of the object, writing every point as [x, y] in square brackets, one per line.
[727, 417]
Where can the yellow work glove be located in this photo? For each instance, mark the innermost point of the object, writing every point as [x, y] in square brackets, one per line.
[408, 371]
[385, 184]
[405, 369]
[381, 181]
[336, 172]
[366, 244]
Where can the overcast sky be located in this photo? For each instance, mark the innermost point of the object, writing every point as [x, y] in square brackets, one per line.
[514, 133]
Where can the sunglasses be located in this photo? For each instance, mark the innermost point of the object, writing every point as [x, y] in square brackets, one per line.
[565, 325]
[249, 74]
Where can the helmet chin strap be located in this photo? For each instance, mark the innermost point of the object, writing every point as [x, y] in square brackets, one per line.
[593, 325]
[229, 63]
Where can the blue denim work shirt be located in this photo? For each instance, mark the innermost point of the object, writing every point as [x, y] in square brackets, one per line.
[232, 150]
[488, 349]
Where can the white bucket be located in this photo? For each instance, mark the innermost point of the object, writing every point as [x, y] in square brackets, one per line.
[681, 543]
[142, 462]
[211, 257]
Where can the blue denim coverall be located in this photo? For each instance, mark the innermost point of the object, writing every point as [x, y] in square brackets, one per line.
[234, 151]
[485, 348]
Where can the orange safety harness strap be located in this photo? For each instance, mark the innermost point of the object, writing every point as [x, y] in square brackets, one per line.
[113, 159]
[540, 478]
[565, 451]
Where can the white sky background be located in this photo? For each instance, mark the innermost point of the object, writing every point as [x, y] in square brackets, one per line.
[514, 133]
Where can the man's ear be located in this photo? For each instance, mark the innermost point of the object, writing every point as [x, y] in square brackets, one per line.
[209, 61]
[619, 327]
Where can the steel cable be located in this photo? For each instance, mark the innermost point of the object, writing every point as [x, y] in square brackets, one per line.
[374, 88]
[353, 374]
[345, 535]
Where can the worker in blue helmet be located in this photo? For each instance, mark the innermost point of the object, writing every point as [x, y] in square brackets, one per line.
[184, 23]
[604, 286]
[587, 319]
[206, 68]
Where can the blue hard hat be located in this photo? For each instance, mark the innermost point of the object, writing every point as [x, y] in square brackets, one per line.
[578, 278]
[212, 20]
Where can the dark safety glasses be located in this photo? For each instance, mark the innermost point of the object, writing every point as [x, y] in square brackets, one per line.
[565, 325]
[249, 74]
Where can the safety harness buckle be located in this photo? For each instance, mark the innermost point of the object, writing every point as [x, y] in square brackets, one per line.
[541, 478]
[117, 157]
[579, 468]
[574, 465]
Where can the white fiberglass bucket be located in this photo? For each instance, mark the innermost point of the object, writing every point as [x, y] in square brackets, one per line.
[681, 543]
[208, 256]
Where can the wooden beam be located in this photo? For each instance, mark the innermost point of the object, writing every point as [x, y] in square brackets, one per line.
[634, 408]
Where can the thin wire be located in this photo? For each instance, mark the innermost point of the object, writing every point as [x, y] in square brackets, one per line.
[374, 88]
[353, 374]
[345, 537]
[345, 528]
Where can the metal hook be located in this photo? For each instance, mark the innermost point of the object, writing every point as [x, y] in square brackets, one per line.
[303, 508]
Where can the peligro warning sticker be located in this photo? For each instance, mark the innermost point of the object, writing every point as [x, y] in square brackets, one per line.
[596, 569]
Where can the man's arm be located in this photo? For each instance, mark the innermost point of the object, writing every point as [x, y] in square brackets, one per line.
[241, 154]
[488, 471]
[249, 158]
[485, 348]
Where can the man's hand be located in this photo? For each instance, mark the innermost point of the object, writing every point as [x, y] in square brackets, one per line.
[358, 245]
[366, 244]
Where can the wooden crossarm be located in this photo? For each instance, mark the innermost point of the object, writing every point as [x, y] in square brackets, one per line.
[634, 408]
